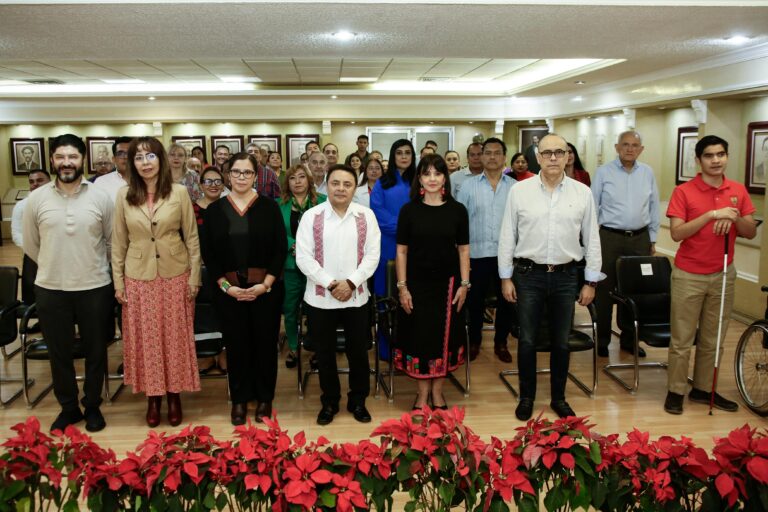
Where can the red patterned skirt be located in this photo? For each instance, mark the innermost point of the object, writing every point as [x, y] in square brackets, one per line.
[158, 336]
[430, 341]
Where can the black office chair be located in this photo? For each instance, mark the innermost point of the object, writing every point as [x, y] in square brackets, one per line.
[36, 349]
[578, 341]
[9, 333]
[209, 341]
[643, 291]
[305, 343]
[388, 311]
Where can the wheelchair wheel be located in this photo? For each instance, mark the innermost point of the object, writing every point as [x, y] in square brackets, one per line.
[751, 367]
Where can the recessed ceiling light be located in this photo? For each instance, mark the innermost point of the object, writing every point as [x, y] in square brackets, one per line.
[351, 122]
[344, 35]
[738, 39]
[151, 98]
[358, 79]
[614, 117]
[579, 82]
[577, 98]
[471, 122]
[662, 108]
[334, 97]
[431, 122]
[530, 121]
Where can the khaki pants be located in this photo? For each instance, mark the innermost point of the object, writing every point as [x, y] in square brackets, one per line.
[696, 303]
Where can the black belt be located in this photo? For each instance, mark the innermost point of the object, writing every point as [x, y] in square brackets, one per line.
[626, 232]
[532, 265]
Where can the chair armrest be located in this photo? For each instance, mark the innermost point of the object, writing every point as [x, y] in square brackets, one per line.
[10, 308]
[31, 310]
[627, 302]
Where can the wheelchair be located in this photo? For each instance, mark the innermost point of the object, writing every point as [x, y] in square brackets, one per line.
[751, 365]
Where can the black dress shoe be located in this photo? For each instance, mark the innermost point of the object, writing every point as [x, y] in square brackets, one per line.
[524, 409]
[502, 353]
[630, 349]
[66, 418]
[474, 351]
[673, 403]
[602, 351]
[238, 414]
[561, 408]
[326, 414]
[264, 410]
[290, 360]
[94, 420]
[359, 412]
[722, 403]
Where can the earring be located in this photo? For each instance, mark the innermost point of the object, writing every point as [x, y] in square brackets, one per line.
[421, 191]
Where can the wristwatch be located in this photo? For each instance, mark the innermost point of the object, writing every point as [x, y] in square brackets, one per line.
[593, 284]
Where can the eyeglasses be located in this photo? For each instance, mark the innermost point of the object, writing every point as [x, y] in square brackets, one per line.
[547, 154]
[246, 173]
[208, 182]
[149, 157]
[121, 154]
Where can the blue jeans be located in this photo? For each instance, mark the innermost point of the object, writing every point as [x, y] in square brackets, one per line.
[544, 296]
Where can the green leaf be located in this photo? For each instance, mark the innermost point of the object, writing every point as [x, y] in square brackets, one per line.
[209, 501]
[328, 499]
[594, 452]
[14, 489]
[446, 491]
[24, 504]
[599, 492]
[555, 498]
[71, 506]
[221, 502]
[497, 505]
[528, 504]
[403, 471]
[583, 499]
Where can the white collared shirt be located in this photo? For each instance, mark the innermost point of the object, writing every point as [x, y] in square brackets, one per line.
[111, 183]
[545, 227]
[17, 226]
[339, 254]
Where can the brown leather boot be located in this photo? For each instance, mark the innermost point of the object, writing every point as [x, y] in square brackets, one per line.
[174, 409]
[153, 410]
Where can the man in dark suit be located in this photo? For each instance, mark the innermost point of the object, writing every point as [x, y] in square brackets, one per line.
[530, 154]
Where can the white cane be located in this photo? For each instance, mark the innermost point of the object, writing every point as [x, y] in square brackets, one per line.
[719, 326]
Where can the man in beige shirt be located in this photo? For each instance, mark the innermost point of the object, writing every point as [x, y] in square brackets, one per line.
[67, 232]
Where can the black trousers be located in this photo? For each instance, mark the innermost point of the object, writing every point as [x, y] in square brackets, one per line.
[91, 310]
[356, 323]
[484, 276]
[614, 245]
[28, 276]
[251, 331]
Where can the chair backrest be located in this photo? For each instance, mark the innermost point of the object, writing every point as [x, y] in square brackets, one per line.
[9, 290]
[206, 315]
[647, 281]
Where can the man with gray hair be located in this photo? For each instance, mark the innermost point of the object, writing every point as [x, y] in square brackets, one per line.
[627, 201]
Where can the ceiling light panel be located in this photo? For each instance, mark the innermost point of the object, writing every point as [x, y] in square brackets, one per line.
[496, 68]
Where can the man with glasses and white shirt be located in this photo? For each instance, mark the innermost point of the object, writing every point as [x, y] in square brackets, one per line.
[115, 180]
[539, 248]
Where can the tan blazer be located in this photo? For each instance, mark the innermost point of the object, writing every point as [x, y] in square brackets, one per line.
[144, 246]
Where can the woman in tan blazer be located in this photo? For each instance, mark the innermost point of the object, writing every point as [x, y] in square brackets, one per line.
[156, 270]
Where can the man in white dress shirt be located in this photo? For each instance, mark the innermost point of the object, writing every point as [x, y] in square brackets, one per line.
[115, 180]
[337, 248]
[539, 249]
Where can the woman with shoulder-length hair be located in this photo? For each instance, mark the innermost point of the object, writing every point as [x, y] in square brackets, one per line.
[388, 195]
[519, 164]
[432, 281]
[156, 270]
[372, 171]
[298, 196]
[574, 168]
[177, 160]
[244, 248]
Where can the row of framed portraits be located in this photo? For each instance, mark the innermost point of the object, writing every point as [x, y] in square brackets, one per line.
[757, 156]
[28, 154]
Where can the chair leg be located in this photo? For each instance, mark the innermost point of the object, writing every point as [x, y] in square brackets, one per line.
[504, 376]
[8, 355]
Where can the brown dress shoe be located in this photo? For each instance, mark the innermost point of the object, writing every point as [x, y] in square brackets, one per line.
[174, 409]
[153, 410]
[474, 351]
[264, 410]
[502, 353]
[239, 411]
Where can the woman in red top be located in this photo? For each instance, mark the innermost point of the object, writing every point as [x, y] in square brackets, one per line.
[574, 168]
[519, 164]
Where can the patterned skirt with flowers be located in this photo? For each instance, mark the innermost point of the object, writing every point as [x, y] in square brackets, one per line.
[158, 336]
[430, 341]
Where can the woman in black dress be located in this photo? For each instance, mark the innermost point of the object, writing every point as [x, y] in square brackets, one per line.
[244, 248]
[432, 280]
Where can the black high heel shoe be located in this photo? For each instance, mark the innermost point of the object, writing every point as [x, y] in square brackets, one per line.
[416, 407]
[443, 407]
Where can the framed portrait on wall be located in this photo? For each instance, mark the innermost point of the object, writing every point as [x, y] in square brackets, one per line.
[268, 142]
[233, 142]
[190, 142]
[295, 145]
[529, 134]
[27, 155]
[687, 136]
[99, 152]
[757, 157]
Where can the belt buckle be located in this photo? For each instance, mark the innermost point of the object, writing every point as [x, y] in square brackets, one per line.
[550, 268]
[628, 232]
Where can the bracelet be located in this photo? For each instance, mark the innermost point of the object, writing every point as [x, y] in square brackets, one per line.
[225, 285]
[267, 289]
[401, 284]
[466, 284]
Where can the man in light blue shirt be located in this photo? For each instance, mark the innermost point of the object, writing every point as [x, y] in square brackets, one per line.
[485, 196]
[627, 201]
[473, 168]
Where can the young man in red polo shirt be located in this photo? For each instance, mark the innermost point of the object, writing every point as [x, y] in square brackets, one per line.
[701, 213]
